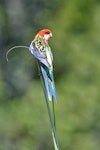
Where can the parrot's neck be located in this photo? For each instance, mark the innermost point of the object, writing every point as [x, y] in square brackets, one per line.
[39, 36]
[46, 40]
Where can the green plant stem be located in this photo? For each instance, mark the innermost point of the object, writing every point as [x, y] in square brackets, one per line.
[52, 122]
[53, 109]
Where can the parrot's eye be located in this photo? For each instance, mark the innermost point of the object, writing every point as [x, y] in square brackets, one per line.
[47, 32]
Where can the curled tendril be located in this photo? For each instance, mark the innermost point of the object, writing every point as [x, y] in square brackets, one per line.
[14, 48]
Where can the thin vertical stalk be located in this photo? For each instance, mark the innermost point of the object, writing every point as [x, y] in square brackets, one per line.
[53, 110]
[52, 122]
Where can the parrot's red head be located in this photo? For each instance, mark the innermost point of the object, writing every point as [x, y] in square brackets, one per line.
[46, 34]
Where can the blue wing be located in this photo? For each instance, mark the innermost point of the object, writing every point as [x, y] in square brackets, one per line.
[39, 56]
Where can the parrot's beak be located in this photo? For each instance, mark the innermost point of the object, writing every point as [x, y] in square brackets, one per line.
[50, 34]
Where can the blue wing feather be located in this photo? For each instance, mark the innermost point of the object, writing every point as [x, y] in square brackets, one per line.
[40, 57]
[35, 53]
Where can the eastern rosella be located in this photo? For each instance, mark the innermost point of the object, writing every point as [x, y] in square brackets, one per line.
[41, 50]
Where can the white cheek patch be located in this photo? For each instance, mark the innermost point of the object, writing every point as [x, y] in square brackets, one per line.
[46, 36]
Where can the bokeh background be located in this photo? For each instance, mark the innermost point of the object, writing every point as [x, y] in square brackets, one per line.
[24, 122]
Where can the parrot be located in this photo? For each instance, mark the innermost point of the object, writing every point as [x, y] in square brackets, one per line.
[41, 50]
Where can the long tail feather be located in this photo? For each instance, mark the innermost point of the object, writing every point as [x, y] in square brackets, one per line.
[49, 82]
[53, 89]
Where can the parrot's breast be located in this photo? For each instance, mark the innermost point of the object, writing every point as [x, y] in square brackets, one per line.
[44, 50]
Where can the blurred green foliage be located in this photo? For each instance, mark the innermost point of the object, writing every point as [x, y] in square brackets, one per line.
[24, 122]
